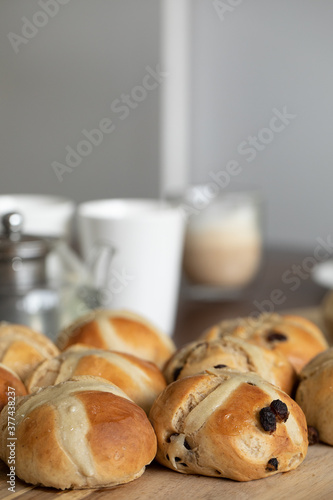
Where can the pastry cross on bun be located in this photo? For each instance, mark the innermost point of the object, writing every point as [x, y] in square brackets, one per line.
[296, 337]
[121, 331]
[83, 433]
[141, 380]
[22, 348]
[228, 424]
[231, 352]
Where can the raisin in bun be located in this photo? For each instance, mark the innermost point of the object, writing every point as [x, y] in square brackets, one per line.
[315, 396]
[82, 433]
[297, 338]
[10, 385]
[235, 353]
[141, 380]
[22, 349]
[119, 331]
[231, 424]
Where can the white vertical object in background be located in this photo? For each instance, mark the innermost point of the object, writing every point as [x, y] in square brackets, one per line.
[175, 99]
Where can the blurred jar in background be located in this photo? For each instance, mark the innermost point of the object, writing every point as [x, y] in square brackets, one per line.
[223, 243]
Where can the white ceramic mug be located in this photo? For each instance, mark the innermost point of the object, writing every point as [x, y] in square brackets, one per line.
[146, 241]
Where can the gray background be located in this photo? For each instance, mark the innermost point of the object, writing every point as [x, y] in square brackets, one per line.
[269, 54]
[264, 54]
[63, 81]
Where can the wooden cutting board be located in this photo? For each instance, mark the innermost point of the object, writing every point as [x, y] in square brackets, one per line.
[313, 479]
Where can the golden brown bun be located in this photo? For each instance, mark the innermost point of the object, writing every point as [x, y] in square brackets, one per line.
[10, 385]
[83, 433]
[315, 395]
[210, 424]
[22, 348]
[231, 352]
[119, 331]
[141, 380]
[297, 338]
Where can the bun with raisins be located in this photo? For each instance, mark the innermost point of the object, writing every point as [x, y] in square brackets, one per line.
[296, 337]
[231, 424]
[235, 353]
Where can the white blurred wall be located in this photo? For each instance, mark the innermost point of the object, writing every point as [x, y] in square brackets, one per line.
[254, 57]
[64, 80]
[250, 58]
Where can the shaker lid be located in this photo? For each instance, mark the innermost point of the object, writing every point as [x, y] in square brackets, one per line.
[15, 244]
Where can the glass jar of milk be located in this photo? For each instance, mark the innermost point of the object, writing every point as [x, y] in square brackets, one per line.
[223, 242]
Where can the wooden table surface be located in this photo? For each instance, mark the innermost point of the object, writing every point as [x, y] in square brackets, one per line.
[312, 480]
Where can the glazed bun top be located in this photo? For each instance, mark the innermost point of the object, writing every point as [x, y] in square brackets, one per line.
[121, 331]
[22, 348]
[296, 337]
[141, 380]
[322, 361]
[235, 353]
